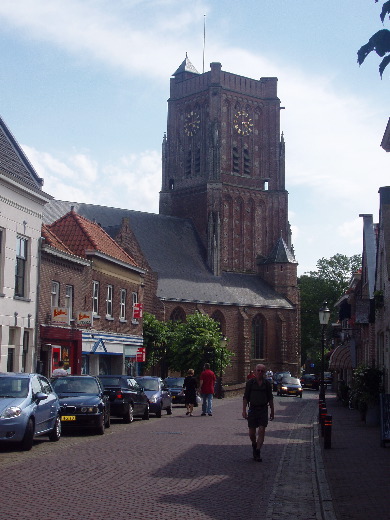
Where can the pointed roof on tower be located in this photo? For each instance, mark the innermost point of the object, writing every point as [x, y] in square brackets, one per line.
[281, 254]
[186, 66]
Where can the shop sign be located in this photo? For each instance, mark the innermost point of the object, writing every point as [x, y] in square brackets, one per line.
[60, 315]
[141, 355]
[137, 311]
[84, 318]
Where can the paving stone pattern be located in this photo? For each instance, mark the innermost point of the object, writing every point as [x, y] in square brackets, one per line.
[178, 466]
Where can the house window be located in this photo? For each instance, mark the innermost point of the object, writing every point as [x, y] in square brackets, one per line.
[55, 294]
[258, 338]
[109, 301]
[95, 297]
[134, 297]
[69, 300]
[21, 267]
[122, 305]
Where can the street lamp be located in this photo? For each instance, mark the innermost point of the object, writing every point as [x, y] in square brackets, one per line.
[324, 315]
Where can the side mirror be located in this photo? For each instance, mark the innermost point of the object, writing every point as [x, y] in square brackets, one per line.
[40, 396]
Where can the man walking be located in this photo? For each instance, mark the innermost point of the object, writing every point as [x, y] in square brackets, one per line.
[207, 382]
[258, 395]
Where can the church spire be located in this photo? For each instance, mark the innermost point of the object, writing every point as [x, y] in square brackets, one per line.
[186, 66]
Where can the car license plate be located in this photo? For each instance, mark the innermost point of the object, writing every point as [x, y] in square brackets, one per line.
[291, 391]
[68, 418]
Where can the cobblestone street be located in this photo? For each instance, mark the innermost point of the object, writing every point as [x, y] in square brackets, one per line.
[200, 467]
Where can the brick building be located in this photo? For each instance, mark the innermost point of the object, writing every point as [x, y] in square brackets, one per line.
[89, 289]
[221, 243]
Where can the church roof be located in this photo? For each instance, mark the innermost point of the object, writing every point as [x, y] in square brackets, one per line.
[281, 254]
[175, 252]
[14, 163]
[186, 66]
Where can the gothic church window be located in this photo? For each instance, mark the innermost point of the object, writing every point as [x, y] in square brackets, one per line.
[189, 163]
[178, 315]
[258, 338]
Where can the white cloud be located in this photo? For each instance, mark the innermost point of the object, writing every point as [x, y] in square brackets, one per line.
[133, 182]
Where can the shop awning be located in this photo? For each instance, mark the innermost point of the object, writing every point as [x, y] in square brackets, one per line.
[341, 358]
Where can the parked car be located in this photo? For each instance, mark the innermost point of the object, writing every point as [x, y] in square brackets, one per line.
[310, 381]
[158, 394]
[277, 376]
[328, 378]
[175, 385]
[127, 399]
[83, 403]
[28, 407]
[288, 385]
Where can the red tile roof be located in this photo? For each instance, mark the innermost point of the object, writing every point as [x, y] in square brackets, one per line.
[52, 240]
[81, 235]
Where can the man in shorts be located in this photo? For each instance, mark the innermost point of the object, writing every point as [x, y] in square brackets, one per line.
[258, 396]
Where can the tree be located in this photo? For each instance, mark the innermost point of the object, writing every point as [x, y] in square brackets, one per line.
[328, 283]
[155, 334]
[183, 345]
[196, 342]
[379, 42]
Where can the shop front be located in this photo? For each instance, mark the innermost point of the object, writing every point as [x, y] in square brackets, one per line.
[59, 344]
[104, 353]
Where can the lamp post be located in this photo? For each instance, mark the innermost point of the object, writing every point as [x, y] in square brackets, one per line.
[324, 315]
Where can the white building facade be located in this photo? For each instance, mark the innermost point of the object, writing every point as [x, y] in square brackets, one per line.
[21, 206]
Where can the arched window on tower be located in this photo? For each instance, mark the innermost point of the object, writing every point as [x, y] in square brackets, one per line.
[258, 335]
[197, 161]
[247, 162]
[189, 163]
[235, 160]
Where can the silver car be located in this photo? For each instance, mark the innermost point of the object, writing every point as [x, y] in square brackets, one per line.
[28, 407]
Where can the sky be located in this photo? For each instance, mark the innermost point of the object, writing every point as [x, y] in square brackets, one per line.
[84, 86]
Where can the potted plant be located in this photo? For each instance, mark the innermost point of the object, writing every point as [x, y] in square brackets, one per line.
[367, 386]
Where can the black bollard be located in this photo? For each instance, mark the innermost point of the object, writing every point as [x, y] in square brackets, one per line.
[327, 431]
[323, 413]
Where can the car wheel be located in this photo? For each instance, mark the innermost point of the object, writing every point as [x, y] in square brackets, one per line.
[146, 415]
[169, 410]
[102, 426]
[27, 442]
[300, 395]
[55, 434]
[129, 416]
[277, 393]
[158, 413]
[108, 420]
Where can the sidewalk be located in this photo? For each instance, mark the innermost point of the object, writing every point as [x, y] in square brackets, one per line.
[357, 468]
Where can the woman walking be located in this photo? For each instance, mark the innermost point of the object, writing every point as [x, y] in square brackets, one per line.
[190, 385]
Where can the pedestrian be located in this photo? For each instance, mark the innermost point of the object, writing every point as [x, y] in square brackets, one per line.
[258, 395]
[190, 385]
[251, 375]
[60, 370]
[207, 383]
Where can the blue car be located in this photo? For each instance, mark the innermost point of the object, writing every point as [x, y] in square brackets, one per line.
[28, 407]
[158, 394]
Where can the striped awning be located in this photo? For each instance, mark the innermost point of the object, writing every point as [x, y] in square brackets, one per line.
[341, 358]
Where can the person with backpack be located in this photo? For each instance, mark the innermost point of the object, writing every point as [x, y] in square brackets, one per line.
[258, 396]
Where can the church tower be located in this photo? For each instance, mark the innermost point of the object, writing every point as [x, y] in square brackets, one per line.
[223, 165]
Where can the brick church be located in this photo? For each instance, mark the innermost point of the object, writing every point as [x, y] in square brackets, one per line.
[221, 243]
